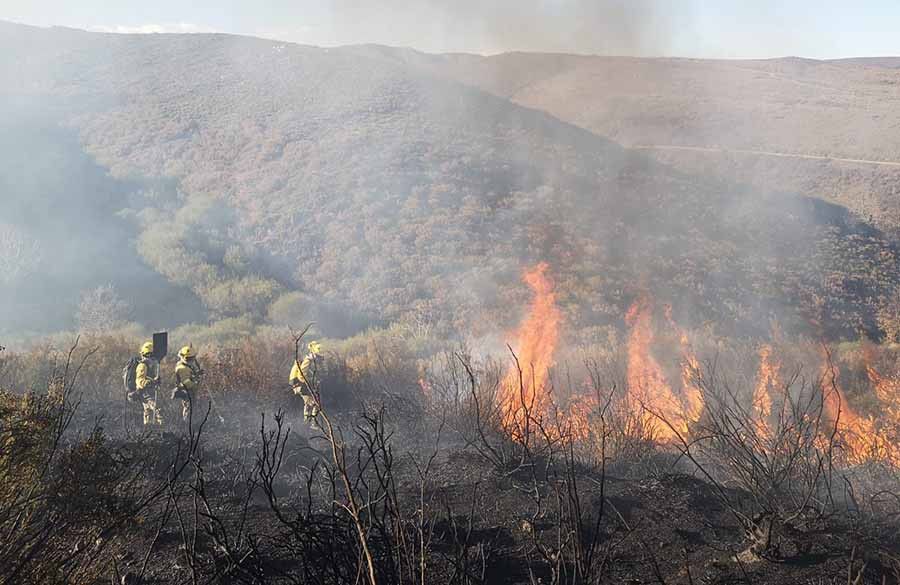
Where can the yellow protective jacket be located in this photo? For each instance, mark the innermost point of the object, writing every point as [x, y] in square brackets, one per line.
[185, 376]
[146, 374]
[302, 372]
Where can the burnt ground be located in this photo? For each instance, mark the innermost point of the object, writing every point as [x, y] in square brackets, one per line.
[658, 523]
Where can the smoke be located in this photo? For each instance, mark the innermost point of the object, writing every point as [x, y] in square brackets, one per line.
[381, 190]
[60, 233]
[639, 27]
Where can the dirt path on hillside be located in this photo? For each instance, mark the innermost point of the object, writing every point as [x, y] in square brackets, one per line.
[709, 149]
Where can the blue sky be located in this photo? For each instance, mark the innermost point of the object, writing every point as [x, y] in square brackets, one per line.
[687, 28]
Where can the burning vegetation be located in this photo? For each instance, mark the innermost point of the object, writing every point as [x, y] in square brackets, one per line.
[642, 422]
[672, 407]
[526, 391]
[462, 468]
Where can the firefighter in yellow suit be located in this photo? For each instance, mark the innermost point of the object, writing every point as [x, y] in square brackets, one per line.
[187, 380]
[303, 380]
[147, 382]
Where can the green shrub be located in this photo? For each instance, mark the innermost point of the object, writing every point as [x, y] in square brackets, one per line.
[248, 296]
[291, 309]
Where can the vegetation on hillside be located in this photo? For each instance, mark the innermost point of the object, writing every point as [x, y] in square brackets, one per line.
[835, 109]
[354, 189]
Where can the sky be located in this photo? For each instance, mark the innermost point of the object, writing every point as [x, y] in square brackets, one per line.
[681, 28]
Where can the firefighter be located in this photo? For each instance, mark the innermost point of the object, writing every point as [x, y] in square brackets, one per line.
[187, 380]
[303, 381]
[147, 384]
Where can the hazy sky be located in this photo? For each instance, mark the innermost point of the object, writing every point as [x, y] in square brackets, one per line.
[701, 28]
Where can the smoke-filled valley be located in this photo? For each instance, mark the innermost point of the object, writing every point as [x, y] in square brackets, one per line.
[584, 319]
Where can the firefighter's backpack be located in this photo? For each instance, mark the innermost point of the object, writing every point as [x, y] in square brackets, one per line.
[129, 379]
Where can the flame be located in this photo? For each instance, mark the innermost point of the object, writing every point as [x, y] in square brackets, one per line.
[646, 382]
[857, 433]
[692, 398]
[768, 377]
[886, 389]
[535, 344]
[578, 417]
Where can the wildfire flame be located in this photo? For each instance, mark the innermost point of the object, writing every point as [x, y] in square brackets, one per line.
[886, 389]
[578, 417]
[525, 394]
[768, 378]
[857, 433]
[692, 395]
[692, 398]
[863, 439]
[535, 344]
[647, 383]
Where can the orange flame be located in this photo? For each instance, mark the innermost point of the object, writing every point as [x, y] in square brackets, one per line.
[875, 443]
[857, 433]
[768, 378]
[692, 398]
[886, 389]
[578, 418]
[646, 382]
[535, 345]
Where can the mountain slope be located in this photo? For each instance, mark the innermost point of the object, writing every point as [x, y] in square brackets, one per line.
[387, 192]
[846, 109]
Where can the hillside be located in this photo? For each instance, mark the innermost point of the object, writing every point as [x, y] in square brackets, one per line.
[364, 186]
[745, 118]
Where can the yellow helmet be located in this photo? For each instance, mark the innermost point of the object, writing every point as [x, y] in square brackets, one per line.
[315, 348]
[147, 349]
[187, 352]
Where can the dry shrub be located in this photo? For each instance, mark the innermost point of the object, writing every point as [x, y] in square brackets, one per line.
[598, 415]
[619, 424]
[256, 367]
[27, 421]
[783, 464]
[465, 392]
[29, 369]
[628, 433]
[62, 498]
[374, 368]
[100, 379]
[363, 370]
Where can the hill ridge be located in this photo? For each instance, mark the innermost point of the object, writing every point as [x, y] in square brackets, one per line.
[341, 184]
